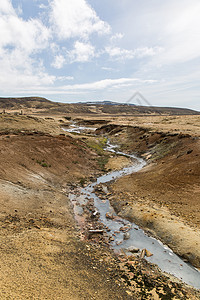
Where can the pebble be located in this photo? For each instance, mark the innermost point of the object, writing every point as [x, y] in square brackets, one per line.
[133, 249]
[109, 216]
[126, 235]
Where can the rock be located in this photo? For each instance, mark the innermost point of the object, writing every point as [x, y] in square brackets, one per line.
[109, 216]
[148, 253]
[142, 254]
[129, 293]
[105, 189]
[189, 151]
[125, 228]
[95, 213]
[133, 249]
[119, 242]
[36, 226]
[99, 231]
[126, 235]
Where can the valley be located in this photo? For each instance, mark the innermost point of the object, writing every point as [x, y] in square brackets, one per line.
[45, 253]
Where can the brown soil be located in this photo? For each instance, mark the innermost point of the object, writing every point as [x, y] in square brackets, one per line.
[163, 197]
[117, 163]
[173, 124]
[16, 123]
[41, 254]
[189, 124]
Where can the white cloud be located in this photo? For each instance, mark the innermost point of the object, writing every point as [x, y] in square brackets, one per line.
[120, 54]
[19, 10]
[182, 34]
[172, 25]
[6, 7]
[62, 78]
[18, 71]
[43, 6]
[97, 87]
[58, 62]
[19, 41]
[116, 37]
[55, 48]
[106, 84]
[72, 19]
[147, 51]
[82, 52]
[28, 35]
[108, 69]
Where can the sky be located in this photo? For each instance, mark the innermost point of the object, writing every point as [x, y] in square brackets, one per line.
[78, 50]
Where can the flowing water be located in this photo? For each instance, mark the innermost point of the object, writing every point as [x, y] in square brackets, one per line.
[162, 256]
[78, 129]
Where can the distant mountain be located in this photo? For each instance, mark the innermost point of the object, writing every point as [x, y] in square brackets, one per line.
[42, 105]
[102, 103]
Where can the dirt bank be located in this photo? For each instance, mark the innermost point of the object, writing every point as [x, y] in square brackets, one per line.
[189, 124]
[164, 196]
[41, 254]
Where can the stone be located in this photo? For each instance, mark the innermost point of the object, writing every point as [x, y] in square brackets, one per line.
[133, 249]
[119, 242]
[148, 253]
[109, 216]
[142, 254]
[126, 235]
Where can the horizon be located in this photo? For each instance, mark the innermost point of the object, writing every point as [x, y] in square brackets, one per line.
[73, 51]
[100, 102]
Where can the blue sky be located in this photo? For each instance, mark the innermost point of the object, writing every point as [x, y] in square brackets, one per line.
[78, 50]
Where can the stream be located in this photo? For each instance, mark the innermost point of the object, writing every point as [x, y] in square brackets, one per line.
[162, 256]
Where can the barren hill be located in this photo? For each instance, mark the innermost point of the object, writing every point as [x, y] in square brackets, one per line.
[42, 105]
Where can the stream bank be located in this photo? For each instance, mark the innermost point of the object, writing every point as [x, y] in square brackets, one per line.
[88, 195]
[121, 230]
[164, 197]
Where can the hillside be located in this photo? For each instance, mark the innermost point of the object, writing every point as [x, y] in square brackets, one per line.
[42, 105]
[25, 102]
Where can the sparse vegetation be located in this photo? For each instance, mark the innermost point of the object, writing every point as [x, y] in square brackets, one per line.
[82, 181]
[97, 144]
[102, 161]
[42, 163]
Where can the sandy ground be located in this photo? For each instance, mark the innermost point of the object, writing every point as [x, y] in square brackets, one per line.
[117, 163]
[41, 253]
